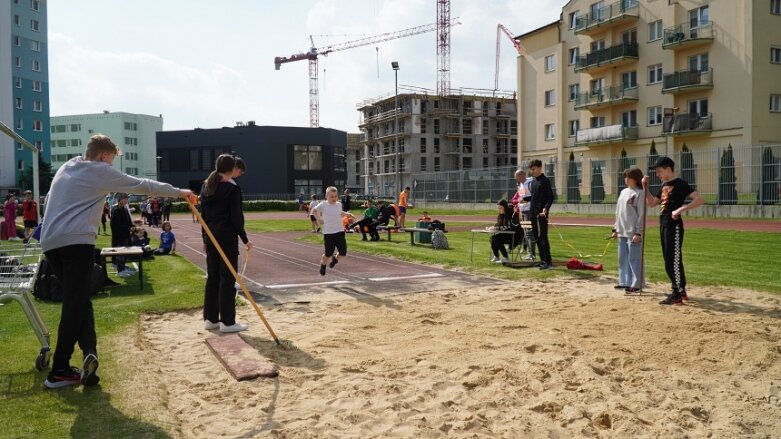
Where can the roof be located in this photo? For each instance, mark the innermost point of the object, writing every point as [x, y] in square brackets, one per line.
[539, 29]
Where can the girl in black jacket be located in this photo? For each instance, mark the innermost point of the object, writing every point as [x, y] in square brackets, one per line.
[499, 240]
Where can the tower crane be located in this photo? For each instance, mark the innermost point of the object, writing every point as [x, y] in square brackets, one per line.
[499, 30]
[314, 53]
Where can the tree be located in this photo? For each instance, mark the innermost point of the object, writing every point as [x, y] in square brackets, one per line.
[623, 164]
[654, 184]
[597, 185]
[45, 176]
[688, 167]
[728, 193]
[768, 185]
[573, 188]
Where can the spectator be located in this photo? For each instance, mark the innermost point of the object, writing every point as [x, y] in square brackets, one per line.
[167, 241]
[121, 223]
[29, 215]
[10, 207]
[540, 204]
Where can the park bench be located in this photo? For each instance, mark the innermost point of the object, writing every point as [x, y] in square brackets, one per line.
[389, 229]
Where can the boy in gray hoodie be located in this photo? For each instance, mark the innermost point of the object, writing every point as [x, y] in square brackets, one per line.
[74, 205]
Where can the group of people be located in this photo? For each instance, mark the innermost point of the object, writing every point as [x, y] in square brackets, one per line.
[155, 211]
[8, 229]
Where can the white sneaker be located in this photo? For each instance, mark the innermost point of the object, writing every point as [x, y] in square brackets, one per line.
[126, 273]
[497, 261]
[504, 260]
[236, 327]
[494, 258]
[208, 325]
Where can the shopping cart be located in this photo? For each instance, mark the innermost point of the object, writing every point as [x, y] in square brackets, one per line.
[18, 272]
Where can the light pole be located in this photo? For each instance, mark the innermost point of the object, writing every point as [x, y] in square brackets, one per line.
[395, 66]
[158, 167]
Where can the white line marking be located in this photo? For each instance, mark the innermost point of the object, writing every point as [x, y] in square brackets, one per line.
[336, 282]
[417, 276]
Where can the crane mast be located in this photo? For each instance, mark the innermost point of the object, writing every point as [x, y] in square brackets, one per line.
[499, 30]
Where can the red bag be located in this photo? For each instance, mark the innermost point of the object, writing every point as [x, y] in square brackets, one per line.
[577, 264]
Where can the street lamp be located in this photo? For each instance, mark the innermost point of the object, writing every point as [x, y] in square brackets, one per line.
[158, 167]
[395, 66]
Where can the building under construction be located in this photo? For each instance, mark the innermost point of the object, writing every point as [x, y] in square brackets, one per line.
[465, 129]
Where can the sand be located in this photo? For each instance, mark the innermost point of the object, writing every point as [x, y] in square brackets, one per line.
[565, 358]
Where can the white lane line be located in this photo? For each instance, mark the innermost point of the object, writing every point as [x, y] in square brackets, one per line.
[336, 282]
[417, 276]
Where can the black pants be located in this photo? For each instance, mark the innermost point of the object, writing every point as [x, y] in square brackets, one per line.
[72, 264]
[498, 242]
[219, 298]
[527, 216]
[366, 222]
[373, 229]
[540, 230]
[672, 250]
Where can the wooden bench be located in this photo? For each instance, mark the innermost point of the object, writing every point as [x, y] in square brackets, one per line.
[389, 229]
[130, 253]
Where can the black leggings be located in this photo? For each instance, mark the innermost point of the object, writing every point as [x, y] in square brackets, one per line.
[672, 250]
[219, 298]
[540, 229]
[498, 242]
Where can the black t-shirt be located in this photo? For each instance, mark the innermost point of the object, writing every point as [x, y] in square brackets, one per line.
[672, 196]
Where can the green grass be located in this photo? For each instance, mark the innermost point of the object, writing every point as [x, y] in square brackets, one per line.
[170, 283]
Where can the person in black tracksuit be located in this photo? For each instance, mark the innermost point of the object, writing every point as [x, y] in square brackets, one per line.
[121, 222]
[221, 210]
[384, 216]
[671, 199]
[542, 199]
[500, 240]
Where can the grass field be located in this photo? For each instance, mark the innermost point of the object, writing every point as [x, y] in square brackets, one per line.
[729, 258]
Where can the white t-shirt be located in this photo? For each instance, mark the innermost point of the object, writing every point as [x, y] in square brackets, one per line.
[332, 217]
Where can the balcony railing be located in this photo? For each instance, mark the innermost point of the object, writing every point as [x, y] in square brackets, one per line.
[608, 134]
[615, 13]
[686, 80]
[606, 96]
[608, 55]
[687, 123]
[684, 35]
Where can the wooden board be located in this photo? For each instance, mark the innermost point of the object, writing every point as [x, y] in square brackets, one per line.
[242, 361]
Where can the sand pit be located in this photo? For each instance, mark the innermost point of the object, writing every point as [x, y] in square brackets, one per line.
[567, 358]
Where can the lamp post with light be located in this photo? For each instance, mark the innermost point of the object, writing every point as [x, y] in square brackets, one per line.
[158, 167]
[395, 66]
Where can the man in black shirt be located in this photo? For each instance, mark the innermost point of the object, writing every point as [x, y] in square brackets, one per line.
[542, 199]
[671, 198]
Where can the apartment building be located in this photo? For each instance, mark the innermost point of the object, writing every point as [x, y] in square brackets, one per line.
[24, 84]
[612, 77]
[133, 133]
[354, 163]
[462, 131]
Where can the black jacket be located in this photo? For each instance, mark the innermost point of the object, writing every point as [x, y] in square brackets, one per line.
[223, 213]
[542, 195]
[121, 222]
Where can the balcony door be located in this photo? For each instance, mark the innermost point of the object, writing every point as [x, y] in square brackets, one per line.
[698, 63]
[699, 107]
[597, 11]
[698, 17]
[629, 119]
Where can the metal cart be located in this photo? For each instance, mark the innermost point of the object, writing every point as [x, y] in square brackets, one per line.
[19, 266]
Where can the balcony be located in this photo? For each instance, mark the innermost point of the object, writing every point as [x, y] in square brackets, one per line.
[608, 134]
[686, 124]
[620, 12]
[684, 36]
[612, 56]
[607, 96]
[687, 80]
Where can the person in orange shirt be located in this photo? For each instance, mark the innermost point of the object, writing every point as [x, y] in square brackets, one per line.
[403, 196]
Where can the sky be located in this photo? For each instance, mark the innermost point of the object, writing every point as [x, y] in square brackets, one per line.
[209, 64]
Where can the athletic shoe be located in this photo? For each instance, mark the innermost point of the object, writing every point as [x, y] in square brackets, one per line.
[504, 260]
[497, 261]
[62, 378]
[333, 262]
[208, 325]
[322, 270]
[672, 299]
[621, 287]
[126, 273]
[236, 327]
[89, 374]
[318, 230]
[684, 297]
[631, 290]
[494, 259]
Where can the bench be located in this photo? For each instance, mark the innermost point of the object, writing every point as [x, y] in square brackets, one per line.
[389, 229]
[130, 253]
[413, 230]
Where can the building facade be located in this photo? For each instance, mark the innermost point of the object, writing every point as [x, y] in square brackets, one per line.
[355, 165]
[24, 84]
[135, 134]
[282, 162]
[434, 133]
[611, 78]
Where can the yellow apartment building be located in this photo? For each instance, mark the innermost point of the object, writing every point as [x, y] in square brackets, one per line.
[608, 77]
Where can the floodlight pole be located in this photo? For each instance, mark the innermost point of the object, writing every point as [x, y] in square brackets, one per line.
[21, 140]
[395, 66]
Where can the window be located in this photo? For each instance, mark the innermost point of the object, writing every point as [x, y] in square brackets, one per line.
[20, 165]
[655, 115]
[597, 45]
[550, 97]
[597, 85]
[18, 82]
[18, 146]
[37, 125]
[597, 11]
[574, 91]
[574, 54]
[18, 103]
[597, 121]
[629, 80]
[37, 106]
[35, 5]
[422, 163]
[35, 25]
[775, 55]
[573, 19]
[775, 103]
[76, 127]
[131, 126]
[655, 74]
[422, 125]
[19, 124]
[18, 61]
[467, 163]
[307, 157]
[17, 41]
[35, 46]
[629, 36]
[36, 65]
[698, 63]
[436, 163]
[550, 63]
[436, 126]
[655, 30]
[16, 20]
[574, 126]
[422, 145]
[436, 146]
[36, 85]
[699, 106]
[698, 17]
[629, 118]
[550, 133]
[775, 7]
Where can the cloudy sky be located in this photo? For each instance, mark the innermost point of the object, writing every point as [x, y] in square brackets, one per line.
[205, 63]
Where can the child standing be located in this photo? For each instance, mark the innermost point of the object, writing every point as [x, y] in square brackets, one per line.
[628, 228]
[312, 217]
[29, 214]
[9, 212]
[167, 241]
[330, 216]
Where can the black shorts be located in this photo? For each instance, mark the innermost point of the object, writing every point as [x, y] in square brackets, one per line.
[312, 218]
[335, 241]
[30, 224]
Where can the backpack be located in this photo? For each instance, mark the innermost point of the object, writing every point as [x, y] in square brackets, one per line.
[439, 240]
[48, 287]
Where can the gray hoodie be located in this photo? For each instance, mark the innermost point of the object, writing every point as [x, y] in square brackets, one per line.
[75, 201]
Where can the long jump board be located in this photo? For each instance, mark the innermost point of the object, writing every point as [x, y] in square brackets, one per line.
[242, 361]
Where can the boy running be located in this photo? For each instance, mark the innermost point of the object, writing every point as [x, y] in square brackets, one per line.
[330, 215]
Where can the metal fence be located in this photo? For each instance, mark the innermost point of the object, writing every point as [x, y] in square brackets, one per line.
[747, 175]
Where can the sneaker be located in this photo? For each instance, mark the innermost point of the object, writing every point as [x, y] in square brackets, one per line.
[62, 378]
[236, 327]
[322, 270]
[672, 299]
[620, 287]
[504, 261]
[333, 262]
[318, 230]
[545, 266]
[631, 290]
[89, 373]
[494, 259]
[684, 297]
[208, 325]
[126, 273]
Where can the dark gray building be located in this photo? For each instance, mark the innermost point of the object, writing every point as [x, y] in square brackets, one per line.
[281, 161]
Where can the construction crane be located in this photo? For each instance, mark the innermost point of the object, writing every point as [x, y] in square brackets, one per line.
[499, 30]
[443, 47]
[314, 53]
